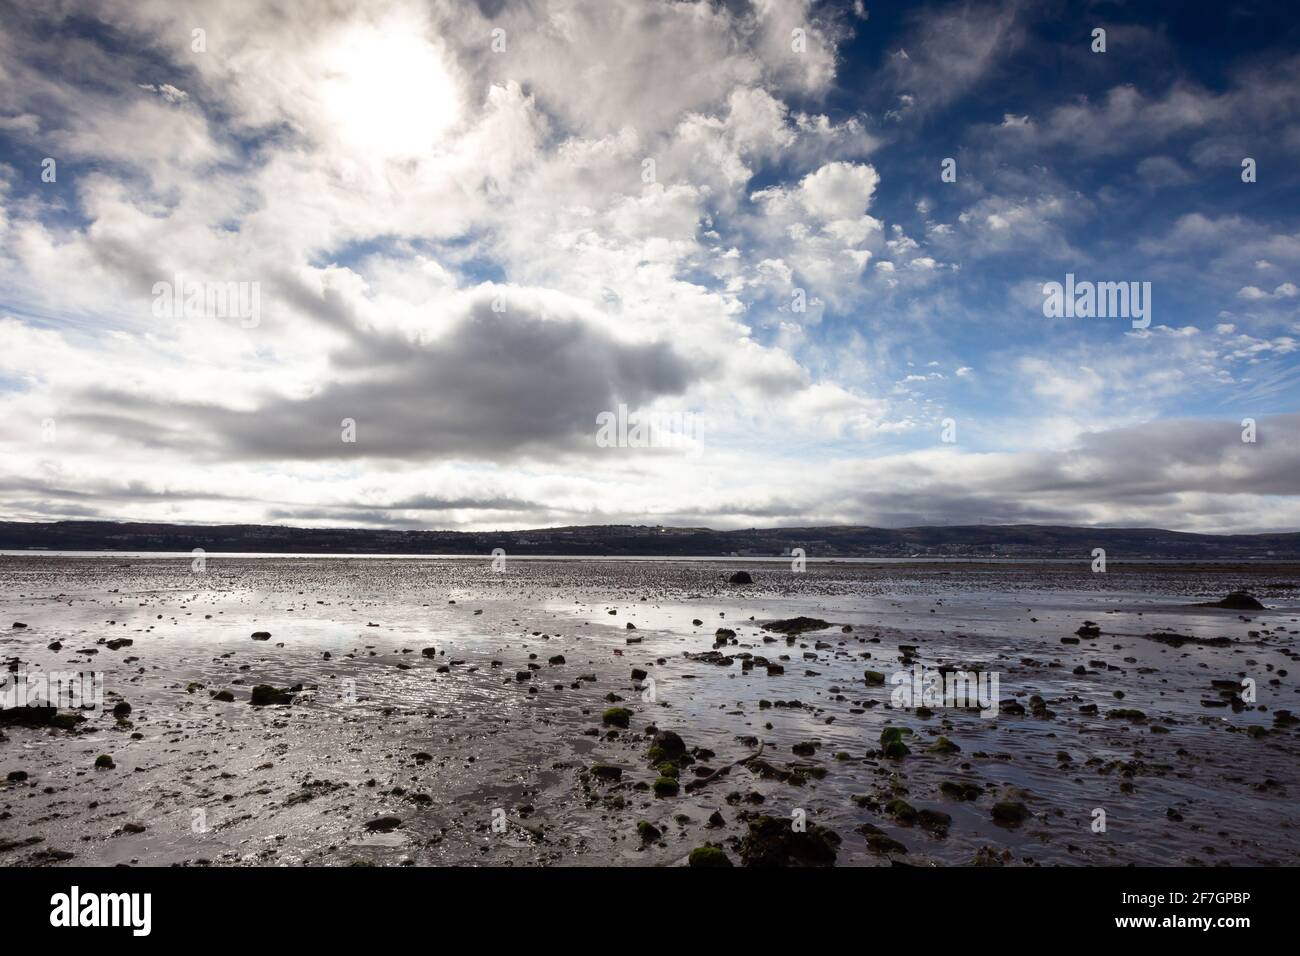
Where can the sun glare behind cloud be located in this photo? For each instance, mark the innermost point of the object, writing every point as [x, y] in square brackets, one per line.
[387, 91]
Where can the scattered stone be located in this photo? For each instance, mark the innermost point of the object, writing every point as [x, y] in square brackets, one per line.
[772, 841]
[1238, 601]
[265, 695]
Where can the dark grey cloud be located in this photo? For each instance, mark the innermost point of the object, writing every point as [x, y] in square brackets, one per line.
[497, 385]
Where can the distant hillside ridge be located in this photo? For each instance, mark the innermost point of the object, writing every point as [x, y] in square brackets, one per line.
[965, 541]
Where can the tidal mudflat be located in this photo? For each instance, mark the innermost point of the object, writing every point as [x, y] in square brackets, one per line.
[593, 712]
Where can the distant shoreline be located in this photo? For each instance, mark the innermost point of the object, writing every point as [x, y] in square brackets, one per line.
[901, 562]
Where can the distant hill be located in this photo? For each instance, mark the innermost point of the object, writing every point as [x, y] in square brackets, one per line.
[971, 541]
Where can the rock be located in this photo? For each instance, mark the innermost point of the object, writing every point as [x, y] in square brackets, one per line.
[429, 652]
[697, 622]
[1238, 601]
[118, 643]
[873, 678]
[1010, 812]
[17, 776]
[648, 831]
[604, 771]
[797, 625]
[261, 635]
[960, 790]
[121, 709]
[224, 696]
[1089, 629]
[805, 749]
[133, 828]
[265, 694]
[934, 821]
[39, 716]
[711, 657]
[878, 842]
[666, 745]
[19, 625]
[104, 762]
[943, 746]
[772, 841]
[741, 577]
[1126, 713]
[1178, 640]
[901, 810]
[383, 824]
[638, 674]
[557, 659]
[616, 717]
[708, 856]
[716, 819]
[630, 626]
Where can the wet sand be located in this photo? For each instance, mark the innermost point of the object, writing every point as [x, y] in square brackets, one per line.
[483, 752]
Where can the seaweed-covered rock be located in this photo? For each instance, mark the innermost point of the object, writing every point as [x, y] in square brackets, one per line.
[878, 841]
[666, 787]
[708, 856]
[741, 577]
[616, 717]
[891, 742]
[901, 810]
[648, 831]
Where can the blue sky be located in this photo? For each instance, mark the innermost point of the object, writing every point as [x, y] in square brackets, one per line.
[472, 230]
